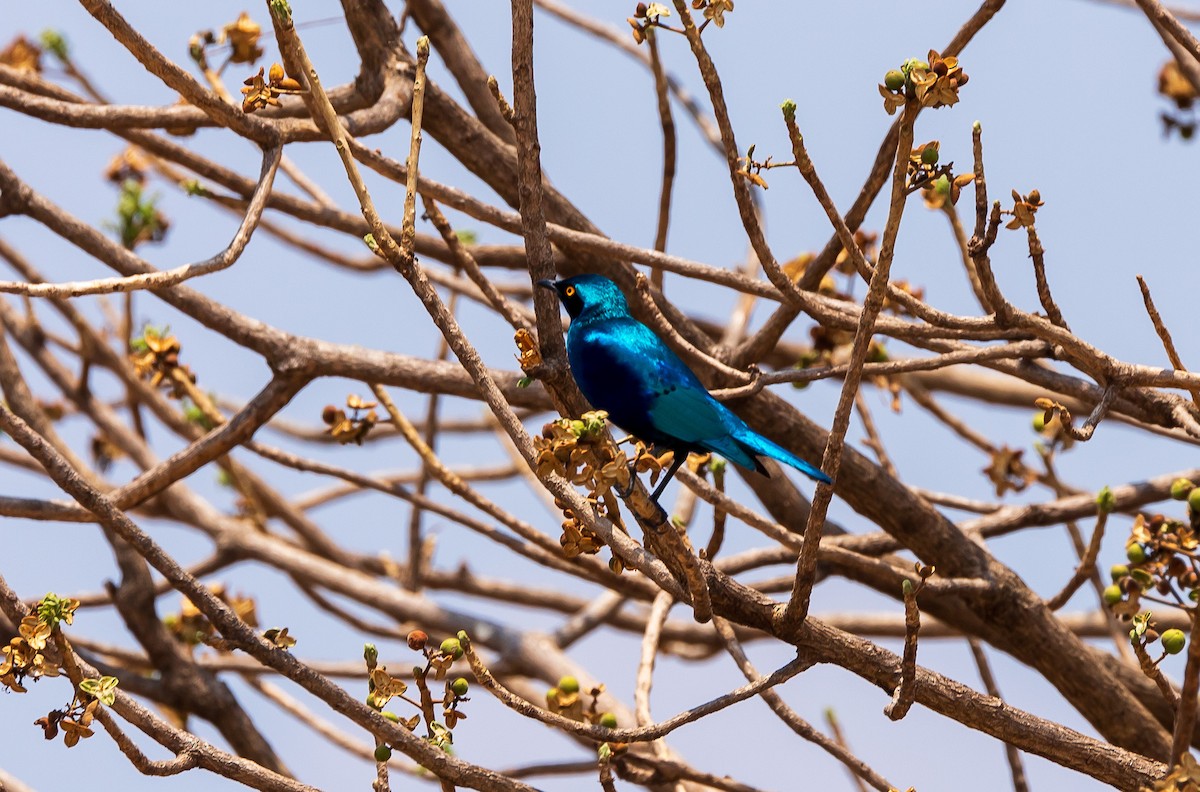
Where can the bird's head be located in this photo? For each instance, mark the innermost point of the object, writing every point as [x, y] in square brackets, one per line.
[589, 296]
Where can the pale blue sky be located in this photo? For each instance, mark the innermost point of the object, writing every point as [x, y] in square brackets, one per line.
[1064, 90]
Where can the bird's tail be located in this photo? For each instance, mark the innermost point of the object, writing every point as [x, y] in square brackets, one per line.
[755, 443]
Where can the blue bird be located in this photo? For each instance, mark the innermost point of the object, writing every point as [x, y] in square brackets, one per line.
[624, 368]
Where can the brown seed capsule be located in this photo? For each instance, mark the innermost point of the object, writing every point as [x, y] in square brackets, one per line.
[417, 640]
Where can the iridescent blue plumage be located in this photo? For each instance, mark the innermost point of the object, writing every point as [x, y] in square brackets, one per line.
[622, 367]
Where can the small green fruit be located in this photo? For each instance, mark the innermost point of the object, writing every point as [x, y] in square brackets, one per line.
[608, 720]
[1173, 641]
[1194, 501]
[393, 717]
[1181, 488]
[460, 686]
[1039, 421]
[382, 753]
[568, 684]
[452, 647]
[941, 185]
[1112, 595]
[893, 80]
[1118, 571]
[1135, 553]
[929, 155]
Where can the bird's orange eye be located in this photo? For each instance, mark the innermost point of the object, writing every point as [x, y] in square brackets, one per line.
[569, 291]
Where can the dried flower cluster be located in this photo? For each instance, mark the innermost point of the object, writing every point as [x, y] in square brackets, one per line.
[934, 82]
[382, 688]
[568, 699]
[352, 428]
[1175, 86]
[260, 92]
[191, 627]
[580, 451]
[155, 357]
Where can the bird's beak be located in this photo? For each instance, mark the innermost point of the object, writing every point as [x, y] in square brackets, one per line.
[548, 284]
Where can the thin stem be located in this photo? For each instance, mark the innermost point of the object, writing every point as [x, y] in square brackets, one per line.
[798, 603]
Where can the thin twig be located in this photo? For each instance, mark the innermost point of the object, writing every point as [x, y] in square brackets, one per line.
[161, 280]
[951, 421]
[905, 693]
[1162, 18]
[232, 628]
[719, 516]
[873, 441]
[621, 40]
[642, 733]
[595, 613]
[408, 231]
[1086, 567]
[1164, 335]
[1185, 716]
[797, 606]
[801, 727]
[1151, 670]
[831, 720]
[1038, 254]
[667, 122]
[1015, 765]
[659, 612]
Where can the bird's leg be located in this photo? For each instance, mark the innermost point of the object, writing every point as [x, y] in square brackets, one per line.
[627, 490]
[680, 457]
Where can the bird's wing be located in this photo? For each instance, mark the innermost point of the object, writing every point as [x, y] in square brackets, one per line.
[623, 367]
[695, 417]
[686, 411]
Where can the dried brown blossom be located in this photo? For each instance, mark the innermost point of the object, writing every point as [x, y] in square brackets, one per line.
[261, 92]
[23, 55]
[352, 428]
[1008, 472]
[155, 357]
[243, 36]
[1024, 209]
